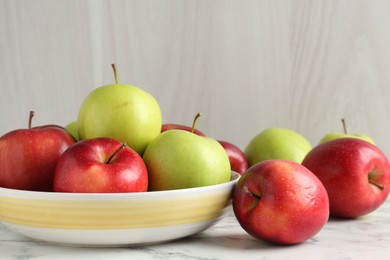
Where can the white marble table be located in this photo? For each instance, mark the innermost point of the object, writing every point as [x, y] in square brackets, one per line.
[364, 238]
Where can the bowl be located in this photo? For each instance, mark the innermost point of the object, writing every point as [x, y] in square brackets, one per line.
[114, 219]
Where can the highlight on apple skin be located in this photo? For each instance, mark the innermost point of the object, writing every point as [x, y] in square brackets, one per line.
[355, 173]
[179, 159]
[281, 202]
[100, 165]
[120, 111]
[277, 143]
[28, 156]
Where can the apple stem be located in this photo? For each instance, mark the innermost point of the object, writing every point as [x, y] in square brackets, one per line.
[116, 152]
[344, 125]
[115, 73]
[30, 119]
[246, 190]
[194, 122]
[380, 186]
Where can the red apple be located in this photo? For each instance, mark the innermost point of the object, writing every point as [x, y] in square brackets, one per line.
[280, 201]
[166, 127]
[237, 158]
[355, 173]
[100, 165]
[28, 156]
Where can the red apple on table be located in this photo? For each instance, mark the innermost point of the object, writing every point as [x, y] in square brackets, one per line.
[280, 201]
[355, 173]
[100, 165]
[237, 158]
[28, 156]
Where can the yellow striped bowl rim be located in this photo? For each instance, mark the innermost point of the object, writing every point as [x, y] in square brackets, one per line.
[114, 211]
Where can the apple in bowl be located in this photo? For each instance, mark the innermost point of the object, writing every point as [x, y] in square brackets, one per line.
[237, 158]
[29, 156]
[120, 111]
[100, 165]
[171, 126]
[179, 159]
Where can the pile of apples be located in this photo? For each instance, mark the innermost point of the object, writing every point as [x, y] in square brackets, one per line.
[291, 189]
[286, 193]
[117, 144]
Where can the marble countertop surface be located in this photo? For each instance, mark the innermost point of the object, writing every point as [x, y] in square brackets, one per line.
[367, 237]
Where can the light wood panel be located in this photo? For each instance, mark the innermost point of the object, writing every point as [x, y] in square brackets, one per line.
[246, 65]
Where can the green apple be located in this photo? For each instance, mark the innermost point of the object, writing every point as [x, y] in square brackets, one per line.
[120, 111]
[277, 143]
[73, 130]
[345, 134]
[178, 159]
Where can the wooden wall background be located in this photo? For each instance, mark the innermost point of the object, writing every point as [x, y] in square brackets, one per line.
[246, 65]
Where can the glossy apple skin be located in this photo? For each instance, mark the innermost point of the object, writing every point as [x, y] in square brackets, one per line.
[345, 166]
[84, 167]
[120, 111]
[237, 158]
[277, 143]
[280, 201]
[28, 156]
[166, 127]
[178, 159]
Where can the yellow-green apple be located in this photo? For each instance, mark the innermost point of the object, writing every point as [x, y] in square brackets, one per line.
[73, 129]
[280, 201]
[178, 159]
[120, 111]
[237, 158]
[277, 143]
[28, 156]
[355, 173]
[100, 165]
[344, 134]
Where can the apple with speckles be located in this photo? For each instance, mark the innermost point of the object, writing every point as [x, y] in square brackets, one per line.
[355, 173]
[100, 165]
[180, 159]
[28, 156]
[277, 143]
[281, 202]
[120, 111]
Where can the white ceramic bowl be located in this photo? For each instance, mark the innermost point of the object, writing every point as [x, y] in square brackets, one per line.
[116, 219]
